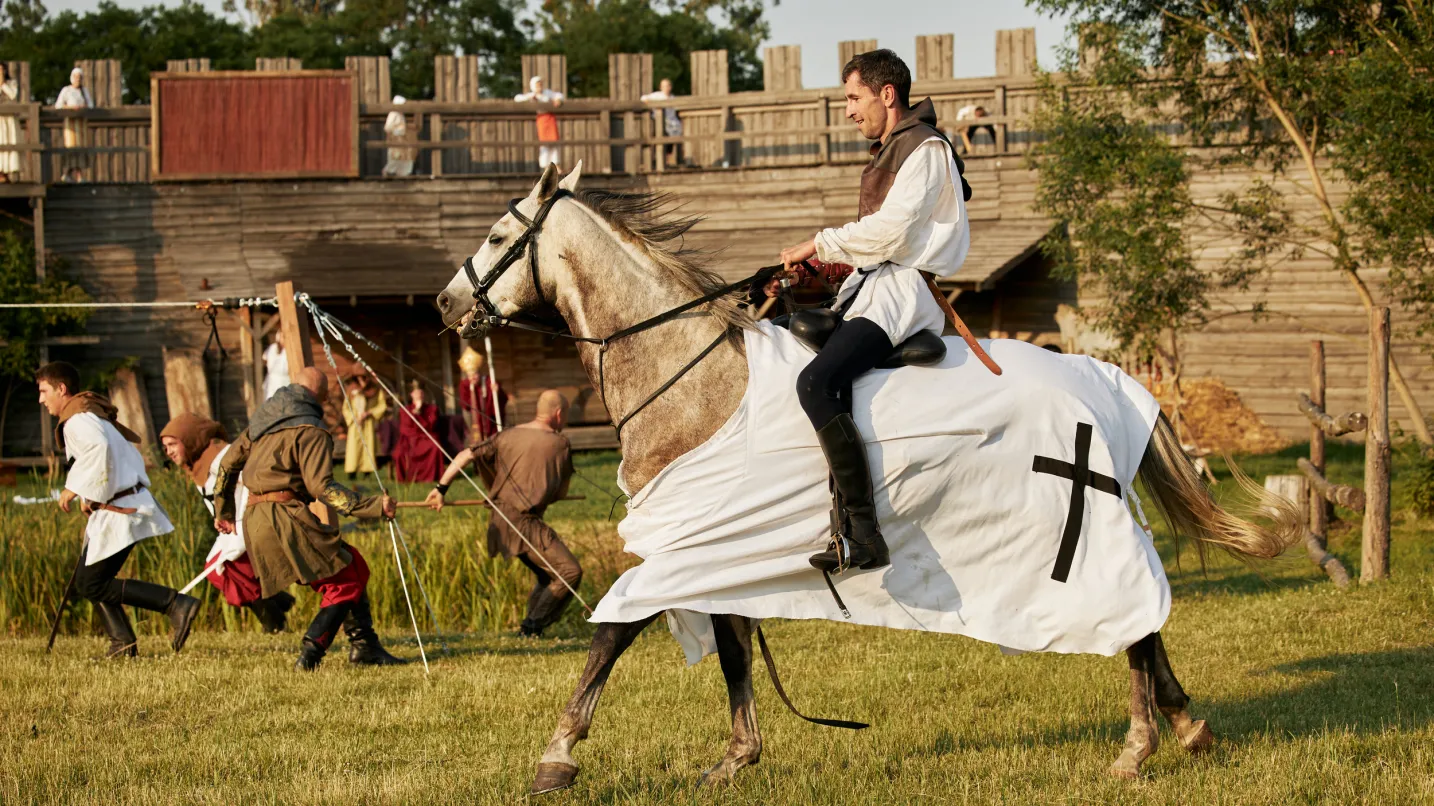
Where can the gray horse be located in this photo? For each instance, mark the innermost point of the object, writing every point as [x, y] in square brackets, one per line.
[606, 261]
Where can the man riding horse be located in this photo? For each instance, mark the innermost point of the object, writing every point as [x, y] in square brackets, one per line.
[912, 221]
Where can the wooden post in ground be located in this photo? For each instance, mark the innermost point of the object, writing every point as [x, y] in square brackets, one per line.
[1319, 508]
[294, 324]
[1374, 564]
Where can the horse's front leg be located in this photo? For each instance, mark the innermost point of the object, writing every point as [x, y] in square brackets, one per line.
[1194, 735]
[1143, 738]
[734, 650]
[556, 769]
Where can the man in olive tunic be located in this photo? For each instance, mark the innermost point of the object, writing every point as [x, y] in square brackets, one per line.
[526, 468]
[286, 456]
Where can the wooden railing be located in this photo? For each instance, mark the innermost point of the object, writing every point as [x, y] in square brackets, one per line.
[487, 138]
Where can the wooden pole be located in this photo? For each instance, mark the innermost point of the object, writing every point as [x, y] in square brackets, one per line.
[295, 328]
[247, 357]
[1319, 508]
[1374, 564]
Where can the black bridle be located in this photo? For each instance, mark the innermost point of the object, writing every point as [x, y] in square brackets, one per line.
[485, 313]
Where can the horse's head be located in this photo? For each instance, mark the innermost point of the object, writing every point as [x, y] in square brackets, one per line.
[511, 291]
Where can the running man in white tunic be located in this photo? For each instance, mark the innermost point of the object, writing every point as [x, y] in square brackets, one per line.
[108, 479]
[912, 220]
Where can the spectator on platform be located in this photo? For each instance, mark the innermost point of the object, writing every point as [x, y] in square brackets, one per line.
[547, 121]
[75, 96]
[973, 112]
[416, 457]
[400, 160]
[671, 123]
[9, 131]
[276, 366]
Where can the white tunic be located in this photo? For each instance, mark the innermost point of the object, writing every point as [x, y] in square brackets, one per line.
[104, 464]
[921, 226]
[276, 365]
[226, 547]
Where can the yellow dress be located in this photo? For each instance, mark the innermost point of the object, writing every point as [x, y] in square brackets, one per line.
[359, 452]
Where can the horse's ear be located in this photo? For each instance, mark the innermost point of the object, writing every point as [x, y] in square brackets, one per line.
[570, 182]
[547, 184]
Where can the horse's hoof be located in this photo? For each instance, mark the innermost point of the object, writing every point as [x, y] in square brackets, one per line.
[1126, 767]
[1198, 739]
[552, 776]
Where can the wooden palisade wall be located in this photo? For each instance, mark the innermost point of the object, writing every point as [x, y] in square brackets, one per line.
[186, 66]
[782, 68]
[553, 67]
[372, 75]
[455, 79]
[629, 75]
[1015, 52]
[935, 57]
[105, 81]
[852, 47]
[20, 71]
[709, 72]
[282, 64]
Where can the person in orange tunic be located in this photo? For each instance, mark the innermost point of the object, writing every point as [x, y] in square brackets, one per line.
[548, 100]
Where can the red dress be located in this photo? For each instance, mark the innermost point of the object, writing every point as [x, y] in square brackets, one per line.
[415, 457]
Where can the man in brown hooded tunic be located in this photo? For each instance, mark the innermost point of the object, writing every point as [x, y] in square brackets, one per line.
[286, 456]
[912, 225]
[197, 445]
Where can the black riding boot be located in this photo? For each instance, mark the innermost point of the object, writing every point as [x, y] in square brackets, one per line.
[273, 611]
[180, 609]
[364, 646]
[117, 627]
[543, 610]
[320, 635]
[859, 543]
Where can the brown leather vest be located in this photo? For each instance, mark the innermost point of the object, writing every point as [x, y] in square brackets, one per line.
[915, 128]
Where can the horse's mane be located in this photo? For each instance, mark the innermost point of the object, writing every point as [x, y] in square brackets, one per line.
[650, 220]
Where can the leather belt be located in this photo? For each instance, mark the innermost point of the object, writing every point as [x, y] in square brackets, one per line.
[276, 497]
[110, 507]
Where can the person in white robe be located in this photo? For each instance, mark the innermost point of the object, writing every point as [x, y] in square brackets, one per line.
[9, 127]
[276, 366]
[912, 221]
[109, 481]
[395, 127]
[75, 95]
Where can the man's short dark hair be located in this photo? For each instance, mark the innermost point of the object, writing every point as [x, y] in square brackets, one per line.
[878, 68]
[56, 373]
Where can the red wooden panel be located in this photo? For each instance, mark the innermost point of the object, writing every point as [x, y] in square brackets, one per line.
[235, 125]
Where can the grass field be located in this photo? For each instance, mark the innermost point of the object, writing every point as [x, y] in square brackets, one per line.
[1316, 695]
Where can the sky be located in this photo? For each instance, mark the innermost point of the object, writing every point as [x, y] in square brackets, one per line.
[818, 25]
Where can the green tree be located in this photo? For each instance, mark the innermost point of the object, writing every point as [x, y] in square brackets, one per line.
[1259, 88]
[588, 30]
[22, 329]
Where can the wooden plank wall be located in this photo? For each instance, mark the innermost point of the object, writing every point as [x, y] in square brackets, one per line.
[372, 75]
[186, 66]
[709, 72]
[852, 47]
[1015, 52]
[935, 57]
[553, 67]
[105, 81]
[629, 75]
[455, 79]
[282, 64]
[20, 71]
[782, 68]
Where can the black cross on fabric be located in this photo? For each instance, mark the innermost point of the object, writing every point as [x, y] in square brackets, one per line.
[1081, 477]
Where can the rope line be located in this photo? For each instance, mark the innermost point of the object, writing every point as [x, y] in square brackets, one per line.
[232, 302]
[392, 525]
[328, 321]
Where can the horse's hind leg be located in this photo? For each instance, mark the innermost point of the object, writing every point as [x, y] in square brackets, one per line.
[1194, 735]
[734, 650]
[556, 769]
[1143, 738]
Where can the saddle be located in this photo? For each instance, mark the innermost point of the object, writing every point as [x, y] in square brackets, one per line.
[813, 326]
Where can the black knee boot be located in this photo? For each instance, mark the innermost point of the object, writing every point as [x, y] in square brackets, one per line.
[364, 646]
[273, 611]
[858, 542]
[117, 627]
[545, 608]
[180, 609]
[320, 635]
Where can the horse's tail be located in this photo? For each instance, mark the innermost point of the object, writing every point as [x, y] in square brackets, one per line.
[1183, 498]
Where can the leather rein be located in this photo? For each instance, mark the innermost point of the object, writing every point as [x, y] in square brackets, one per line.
[485, 313]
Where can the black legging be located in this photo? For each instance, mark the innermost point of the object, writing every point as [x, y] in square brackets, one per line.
[97, 582]
[824, 387]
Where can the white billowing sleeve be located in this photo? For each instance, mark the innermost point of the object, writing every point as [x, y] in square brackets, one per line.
[93, 475]
[395, 124]
[894, 232]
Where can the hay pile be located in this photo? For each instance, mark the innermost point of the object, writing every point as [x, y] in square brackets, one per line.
[1215, 419]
